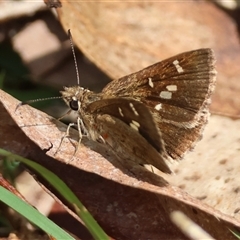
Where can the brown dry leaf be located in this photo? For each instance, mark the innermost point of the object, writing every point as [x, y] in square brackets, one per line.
[123, 37]
[127, 203]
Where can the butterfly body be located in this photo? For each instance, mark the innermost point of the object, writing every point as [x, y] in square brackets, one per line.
[152, 115]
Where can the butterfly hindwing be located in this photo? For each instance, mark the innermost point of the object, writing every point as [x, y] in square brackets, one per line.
[135, 114]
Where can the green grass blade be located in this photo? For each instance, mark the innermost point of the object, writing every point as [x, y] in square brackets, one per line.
[32, 214]
[64, 190]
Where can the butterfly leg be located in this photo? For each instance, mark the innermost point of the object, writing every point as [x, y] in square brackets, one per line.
[66, 135]
[81, 132]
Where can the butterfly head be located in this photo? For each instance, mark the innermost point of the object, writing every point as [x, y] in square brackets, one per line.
[73, 96]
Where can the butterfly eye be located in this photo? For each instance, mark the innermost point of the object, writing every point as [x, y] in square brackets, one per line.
[73, 105]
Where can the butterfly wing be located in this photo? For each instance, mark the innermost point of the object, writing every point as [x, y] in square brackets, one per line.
[177, 92]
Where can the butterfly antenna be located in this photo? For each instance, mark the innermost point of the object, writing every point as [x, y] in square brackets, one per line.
[74, 56]
[36, 100]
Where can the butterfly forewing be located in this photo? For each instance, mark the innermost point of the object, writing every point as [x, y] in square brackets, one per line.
[183, 82]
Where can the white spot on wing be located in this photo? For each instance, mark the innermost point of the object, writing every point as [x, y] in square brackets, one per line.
[172, 88]
[165, 95]
[178, 67]
[133, 109]
[158, 106]
[120, 111]
[150, 82]
[135, 125]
